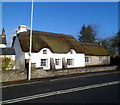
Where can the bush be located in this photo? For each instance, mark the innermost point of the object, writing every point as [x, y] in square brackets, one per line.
[7, 63]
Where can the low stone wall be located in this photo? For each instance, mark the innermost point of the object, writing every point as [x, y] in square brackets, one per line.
[13, 75]
[17, 75]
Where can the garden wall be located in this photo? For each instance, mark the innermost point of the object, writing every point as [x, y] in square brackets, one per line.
[17, 75]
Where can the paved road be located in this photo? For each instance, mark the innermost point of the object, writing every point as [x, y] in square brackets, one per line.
[102, 87]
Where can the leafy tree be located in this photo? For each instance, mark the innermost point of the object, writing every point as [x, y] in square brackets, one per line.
[7, 63]
[87, 34]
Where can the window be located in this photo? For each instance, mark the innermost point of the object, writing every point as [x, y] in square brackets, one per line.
[43, 62]
[44, 51]
[57, 62]
[100, 59]
[87, 59]
[69, 61]
[71, 52]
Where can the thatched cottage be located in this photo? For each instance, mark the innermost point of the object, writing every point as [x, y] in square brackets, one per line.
[49, 50]
[56, 51]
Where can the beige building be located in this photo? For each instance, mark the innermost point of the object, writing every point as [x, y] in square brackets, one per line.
[95, 54]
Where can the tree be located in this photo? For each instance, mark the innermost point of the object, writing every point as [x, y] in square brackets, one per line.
[104, 42]
[87, 34]
[7, 63]
[115, 41]
[118, 36]
[112, 44]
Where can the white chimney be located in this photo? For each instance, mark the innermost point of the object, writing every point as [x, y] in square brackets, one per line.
[22, 28]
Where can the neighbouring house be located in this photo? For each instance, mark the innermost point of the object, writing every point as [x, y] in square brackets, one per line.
[49, 50]
[6, 52]
[3, 39]
[95, 54]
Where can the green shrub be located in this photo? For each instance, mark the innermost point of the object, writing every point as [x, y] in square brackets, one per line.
[7, 63]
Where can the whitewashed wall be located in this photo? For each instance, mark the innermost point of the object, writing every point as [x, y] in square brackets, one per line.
[79, 59]
[2, 46]
[19, 56]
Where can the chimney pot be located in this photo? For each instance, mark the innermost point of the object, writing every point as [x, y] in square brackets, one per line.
[22, 28]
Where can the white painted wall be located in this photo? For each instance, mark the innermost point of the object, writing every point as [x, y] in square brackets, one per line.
[19, 56]
[79, 59]
[2, 46]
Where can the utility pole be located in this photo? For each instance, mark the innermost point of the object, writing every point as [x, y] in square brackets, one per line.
[118, 28]
[30, 49]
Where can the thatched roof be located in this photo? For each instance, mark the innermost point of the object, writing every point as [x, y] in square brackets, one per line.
[94, 49]
[57, 43]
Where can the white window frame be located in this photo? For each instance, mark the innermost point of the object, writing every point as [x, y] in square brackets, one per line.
[44, 51]
[70, 63]
[87, 59]
[57, 62]
[44, 63]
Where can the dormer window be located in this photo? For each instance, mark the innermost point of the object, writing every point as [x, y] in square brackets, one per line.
[71, 51]
[44, 51]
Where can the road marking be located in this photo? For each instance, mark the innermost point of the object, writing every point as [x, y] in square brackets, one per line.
[20, 84]
[59, 92]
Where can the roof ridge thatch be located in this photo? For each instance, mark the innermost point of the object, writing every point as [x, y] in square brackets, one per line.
[90, 44]
[47, 34]
[57, 43]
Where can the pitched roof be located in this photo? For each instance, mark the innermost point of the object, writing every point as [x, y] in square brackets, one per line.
[94, 49]
[57, 43]
[3, 40]
[7, 51]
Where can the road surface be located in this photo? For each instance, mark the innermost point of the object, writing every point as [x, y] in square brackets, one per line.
[100, 87]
